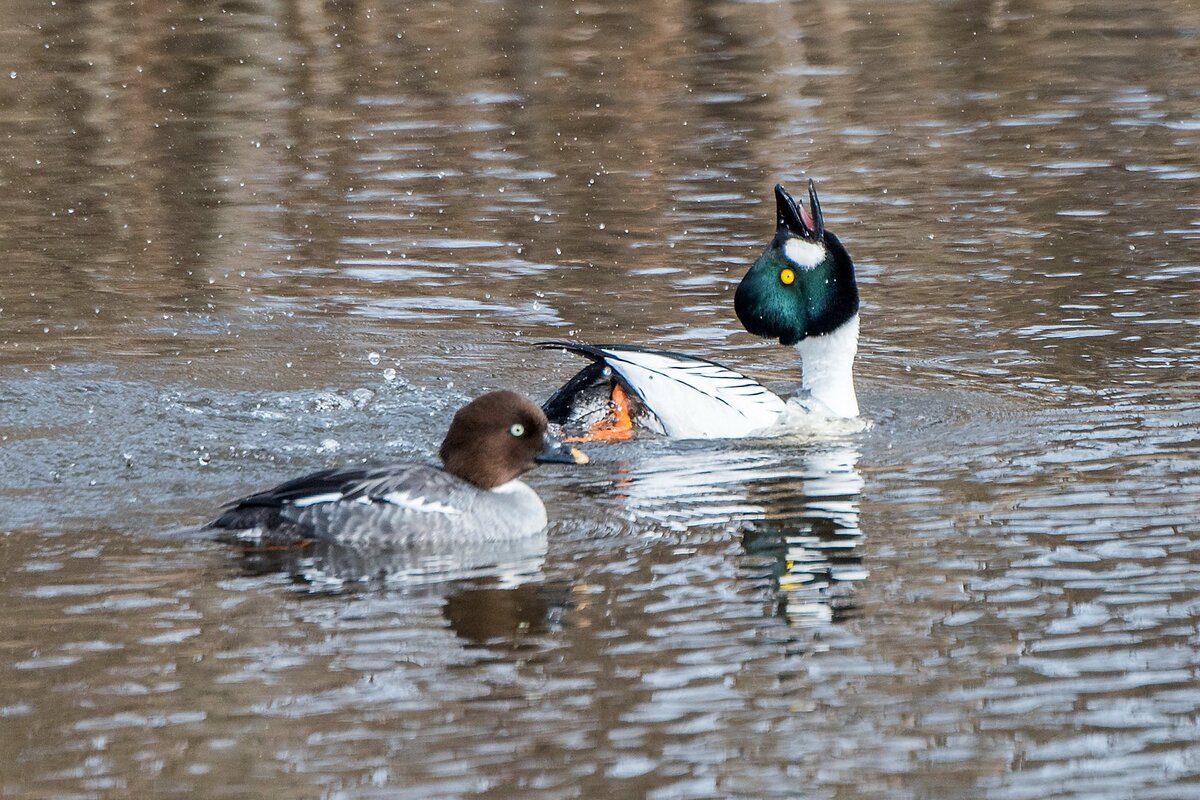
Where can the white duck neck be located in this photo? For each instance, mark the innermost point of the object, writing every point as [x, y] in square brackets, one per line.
[828, 364]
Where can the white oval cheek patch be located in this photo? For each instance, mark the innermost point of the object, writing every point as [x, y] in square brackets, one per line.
[804, 255]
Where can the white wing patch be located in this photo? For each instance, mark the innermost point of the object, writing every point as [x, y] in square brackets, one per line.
[695, 399]
[417, 503]
[312, 500]
[403, 499]
[804, 255]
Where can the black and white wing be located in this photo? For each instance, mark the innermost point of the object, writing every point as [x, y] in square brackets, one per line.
[404, 492]
[692, 398]
[365, 483]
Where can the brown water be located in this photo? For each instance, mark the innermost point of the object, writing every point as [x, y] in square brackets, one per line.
[245, 240]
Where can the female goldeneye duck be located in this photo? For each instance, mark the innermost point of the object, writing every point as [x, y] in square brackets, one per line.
[476, 495]
[801, 291]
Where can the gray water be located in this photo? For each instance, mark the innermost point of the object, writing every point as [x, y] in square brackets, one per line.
[242, 241]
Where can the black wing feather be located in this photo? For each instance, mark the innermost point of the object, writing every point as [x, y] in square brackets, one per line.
[558, 407]
[323, 482]
[270, 509]
[596, 351]
[562, 398]
[370, 480]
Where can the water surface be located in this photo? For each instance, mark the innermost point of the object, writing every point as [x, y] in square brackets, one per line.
[242, 241]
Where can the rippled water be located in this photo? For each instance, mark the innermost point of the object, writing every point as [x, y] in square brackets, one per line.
[244, 240]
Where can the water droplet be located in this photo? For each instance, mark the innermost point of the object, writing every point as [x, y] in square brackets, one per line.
[373, 358]
[205, 459]
[389, 374]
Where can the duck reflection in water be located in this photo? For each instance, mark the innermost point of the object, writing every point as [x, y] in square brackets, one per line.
[487, 615]
[795, 502]
[810, 539]
[490, 595]
[326, 566]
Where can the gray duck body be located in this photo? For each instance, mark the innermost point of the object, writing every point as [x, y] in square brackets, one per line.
[476, 497]
[402, 504]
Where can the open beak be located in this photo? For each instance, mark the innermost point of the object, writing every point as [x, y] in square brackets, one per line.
[555, 452]
[816, 220]
[798, 220]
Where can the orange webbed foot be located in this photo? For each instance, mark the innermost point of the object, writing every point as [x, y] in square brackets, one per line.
[616, 427]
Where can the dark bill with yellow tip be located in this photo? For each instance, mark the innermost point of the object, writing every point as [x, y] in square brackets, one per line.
[556, 452]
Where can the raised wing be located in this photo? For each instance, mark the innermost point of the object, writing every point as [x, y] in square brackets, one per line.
[692, 398]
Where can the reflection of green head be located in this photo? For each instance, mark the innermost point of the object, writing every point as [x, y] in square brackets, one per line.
[803, 283]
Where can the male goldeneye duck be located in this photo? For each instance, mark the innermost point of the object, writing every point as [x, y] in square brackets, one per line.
[475, 496]
[801, 291]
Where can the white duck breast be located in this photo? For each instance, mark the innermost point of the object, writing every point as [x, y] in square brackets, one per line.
[828, 369]
[692, 398]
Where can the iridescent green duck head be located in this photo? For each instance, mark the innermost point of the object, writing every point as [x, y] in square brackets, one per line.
[803, 283]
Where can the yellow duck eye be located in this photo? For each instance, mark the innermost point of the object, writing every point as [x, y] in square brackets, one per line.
[517, 429]
[787, 276]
